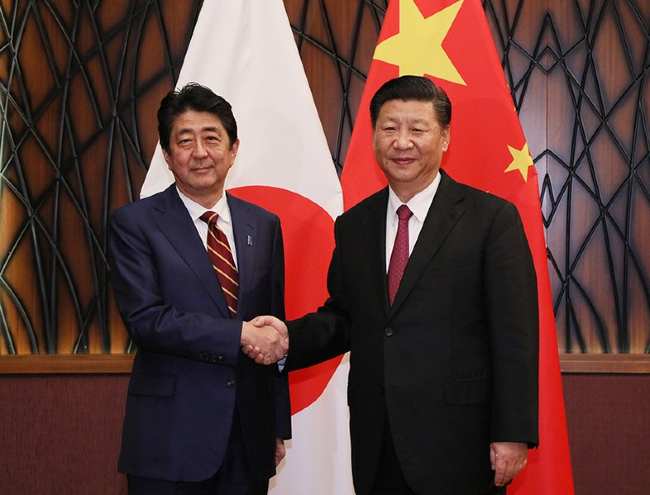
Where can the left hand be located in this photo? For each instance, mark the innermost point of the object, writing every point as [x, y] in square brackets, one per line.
[280, 450]
[507, 458]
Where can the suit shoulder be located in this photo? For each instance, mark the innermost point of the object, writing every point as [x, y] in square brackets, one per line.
[361, 209]
[484, 199]
[136, 209]
[253, 209]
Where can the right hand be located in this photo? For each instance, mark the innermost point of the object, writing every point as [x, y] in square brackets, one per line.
[265, 339]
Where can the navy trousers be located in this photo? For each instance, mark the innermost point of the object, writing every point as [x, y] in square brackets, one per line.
[232, 478]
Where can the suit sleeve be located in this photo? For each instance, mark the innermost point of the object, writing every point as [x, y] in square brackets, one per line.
[511, 296]
[324, 334]
[280, 380]
[153, 323]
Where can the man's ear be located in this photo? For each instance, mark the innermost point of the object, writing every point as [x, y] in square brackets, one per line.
[234, 148]
[167, 158]
[445, 135]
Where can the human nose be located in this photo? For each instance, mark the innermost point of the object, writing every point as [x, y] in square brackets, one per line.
[200, 151]
[403, 140]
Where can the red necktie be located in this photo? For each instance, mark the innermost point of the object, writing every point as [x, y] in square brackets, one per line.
[400, 255]
[222, 261]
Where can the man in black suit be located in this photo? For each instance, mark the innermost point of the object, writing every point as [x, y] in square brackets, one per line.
[432, 289]
[190, 266]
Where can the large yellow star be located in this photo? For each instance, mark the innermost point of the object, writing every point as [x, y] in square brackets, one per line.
[417, 48]
[521, 161]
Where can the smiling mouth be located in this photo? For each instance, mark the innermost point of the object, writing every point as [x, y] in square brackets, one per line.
[403, 160]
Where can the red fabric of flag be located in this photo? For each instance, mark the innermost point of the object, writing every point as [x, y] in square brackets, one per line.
[450, 42]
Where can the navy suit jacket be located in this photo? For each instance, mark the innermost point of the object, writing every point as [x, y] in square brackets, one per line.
[189, 374]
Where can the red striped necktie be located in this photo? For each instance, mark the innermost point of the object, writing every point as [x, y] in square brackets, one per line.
[222, 261]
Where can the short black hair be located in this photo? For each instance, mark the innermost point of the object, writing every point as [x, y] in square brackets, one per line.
[408, 88]
[195, 97]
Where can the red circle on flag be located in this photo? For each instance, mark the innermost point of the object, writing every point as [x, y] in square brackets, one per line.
[308, 235]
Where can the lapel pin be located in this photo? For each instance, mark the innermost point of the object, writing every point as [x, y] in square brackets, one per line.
[249, 240]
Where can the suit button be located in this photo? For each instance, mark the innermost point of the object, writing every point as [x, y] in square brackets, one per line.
[220, 357]
[388, 331]
[230, 383]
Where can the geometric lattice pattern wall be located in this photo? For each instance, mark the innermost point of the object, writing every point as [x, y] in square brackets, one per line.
[585, 65]
[80, 83]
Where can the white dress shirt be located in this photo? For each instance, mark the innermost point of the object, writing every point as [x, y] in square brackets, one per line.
[224, 222]
[419, 206]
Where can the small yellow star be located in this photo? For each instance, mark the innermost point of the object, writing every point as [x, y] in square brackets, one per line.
[417, 48]
[521, 161]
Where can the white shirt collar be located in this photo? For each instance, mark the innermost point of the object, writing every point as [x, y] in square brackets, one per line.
[418, 204]
[196, 210]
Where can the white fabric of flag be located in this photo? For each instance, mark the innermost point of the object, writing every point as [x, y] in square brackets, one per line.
[244, 51]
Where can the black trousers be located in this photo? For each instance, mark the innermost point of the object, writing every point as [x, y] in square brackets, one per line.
[232, 478]
[390, 478]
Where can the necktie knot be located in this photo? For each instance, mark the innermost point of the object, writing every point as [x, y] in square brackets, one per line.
[210, 217]
[403, 213]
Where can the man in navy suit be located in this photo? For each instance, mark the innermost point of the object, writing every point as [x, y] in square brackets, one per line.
[432, 289]
[201, 417]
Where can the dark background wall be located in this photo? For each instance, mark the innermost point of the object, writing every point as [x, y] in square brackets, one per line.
[60, 434]
[79, 86]
[607, 417]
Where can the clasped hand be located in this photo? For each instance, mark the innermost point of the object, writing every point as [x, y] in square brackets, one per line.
[265, 339]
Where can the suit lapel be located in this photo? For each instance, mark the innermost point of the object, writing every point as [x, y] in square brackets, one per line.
[175, 222]
[445, 211]
[243, 225]
[375, 236]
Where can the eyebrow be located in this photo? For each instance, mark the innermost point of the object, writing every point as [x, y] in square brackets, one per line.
[414, 121]
[202, 129]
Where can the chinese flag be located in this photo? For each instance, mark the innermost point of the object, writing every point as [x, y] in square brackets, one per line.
[450, 42]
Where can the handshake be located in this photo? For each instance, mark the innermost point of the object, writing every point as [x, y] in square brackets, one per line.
[265, 339]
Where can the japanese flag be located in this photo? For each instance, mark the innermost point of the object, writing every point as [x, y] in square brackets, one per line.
[244, 51]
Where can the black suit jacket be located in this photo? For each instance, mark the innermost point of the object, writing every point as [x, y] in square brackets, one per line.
[453, 362]
[189, 374]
